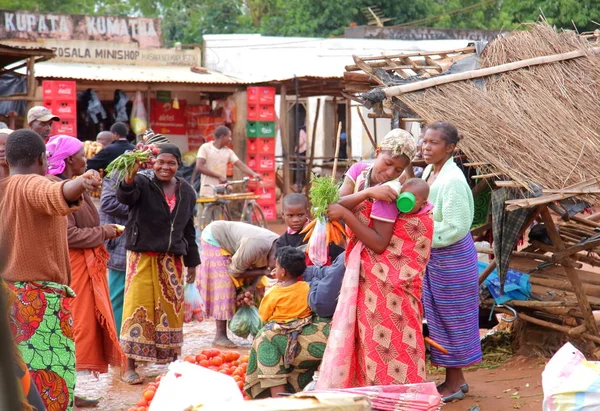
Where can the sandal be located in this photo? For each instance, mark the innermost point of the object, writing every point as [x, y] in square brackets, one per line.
[131, 377]
[225, 344]
[457, 396]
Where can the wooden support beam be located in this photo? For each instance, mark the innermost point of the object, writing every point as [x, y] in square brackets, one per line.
[487, 271]
[364, 123]
[285, 141]
[557, 242]
[490, 175]
[349, 128]
[562, 328]
[312, 147]
[575, 249]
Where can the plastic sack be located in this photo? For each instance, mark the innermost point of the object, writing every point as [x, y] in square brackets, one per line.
[139, 117]
[317, 244]
[193, 305]
[245, 322]
[570, 382]
[179, 389]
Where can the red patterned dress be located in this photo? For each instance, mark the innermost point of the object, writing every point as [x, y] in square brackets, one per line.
[376, 336]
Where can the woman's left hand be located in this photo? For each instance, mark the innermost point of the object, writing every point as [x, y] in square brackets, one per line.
[336, 212]
[191, 275]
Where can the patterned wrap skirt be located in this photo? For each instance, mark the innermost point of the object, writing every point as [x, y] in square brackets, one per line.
[451, 300]
[152, 328]
[42, 325]
[215, 284]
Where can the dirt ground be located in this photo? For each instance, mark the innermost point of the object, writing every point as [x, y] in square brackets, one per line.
[515, 385]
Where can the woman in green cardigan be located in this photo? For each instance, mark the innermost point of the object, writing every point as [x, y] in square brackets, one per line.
[451, 286]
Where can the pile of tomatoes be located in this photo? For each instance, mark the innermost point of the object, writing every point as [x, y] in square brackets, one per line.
[231, 363]
[226, 362]
[147, 396]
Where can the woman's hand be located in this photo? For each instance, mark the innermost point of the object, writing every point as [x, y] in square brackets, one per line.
[383, 193]
[130, 177]
[336, 212]
[190, 277]
[111, 231]
[91, 180]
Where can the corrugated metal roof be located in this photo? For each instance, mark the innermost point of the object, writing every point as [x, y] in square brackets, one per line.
[132, 74]
[10, 53]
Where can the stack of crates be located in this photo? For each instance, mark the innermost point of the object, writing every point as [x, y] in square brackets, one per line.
[60, 97]
[260, 131]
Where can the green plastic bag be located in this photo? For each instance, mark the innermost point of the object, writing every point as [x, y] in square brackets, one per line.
[245, 322]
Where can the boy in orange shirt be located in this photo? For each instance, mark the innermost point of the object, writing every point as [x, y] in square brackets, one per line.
[288, 299]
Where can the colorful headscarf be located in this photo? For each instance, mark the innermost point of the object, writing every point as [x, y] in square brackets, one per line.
[399, 142]
[59, 148]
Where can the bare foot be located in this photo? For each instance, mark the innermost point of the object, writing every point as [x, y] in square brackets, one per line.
[224, 342]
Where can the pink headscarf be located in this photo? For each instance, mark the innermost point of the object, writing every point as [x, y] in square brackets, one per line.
[59, 148]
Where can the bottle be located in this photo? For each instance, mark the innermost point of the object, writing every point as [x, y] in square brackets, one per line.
[406, 202]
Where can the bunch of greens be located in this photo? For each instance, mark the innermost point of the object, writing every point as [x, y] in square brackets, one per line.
[323, 192]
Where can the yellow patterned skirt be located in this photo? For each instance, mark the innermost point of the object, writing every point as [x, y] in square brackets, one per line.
[152, 328]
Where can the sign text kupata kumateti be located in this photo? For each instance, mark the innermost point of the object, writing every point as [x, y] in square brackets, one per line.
[32, 26]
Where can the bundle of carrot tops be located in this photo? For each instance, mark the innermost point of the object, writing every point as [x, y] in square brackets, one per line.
[320, 231]
[123, 166]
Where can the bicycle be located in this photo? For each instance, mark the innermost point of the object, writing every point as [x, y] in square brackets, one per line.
[217, 207]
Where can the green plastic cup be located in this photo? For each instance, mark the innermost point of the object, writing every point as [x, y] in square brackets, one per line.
[406, 202]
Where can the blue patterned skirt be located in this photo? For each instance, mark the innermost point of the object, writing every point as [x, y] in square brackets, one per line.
[451, 301]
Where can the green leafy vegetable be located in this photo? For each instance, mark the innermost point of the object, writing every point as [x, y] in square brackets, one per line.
[323, 191]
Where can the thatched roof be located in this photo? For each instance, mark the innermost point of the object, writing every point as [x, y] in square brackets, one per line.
[539, 124]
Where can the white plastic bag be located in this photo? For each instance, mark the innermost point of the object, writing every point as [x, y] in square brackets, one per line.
[318, 246]
[570, 382]
[187, 385]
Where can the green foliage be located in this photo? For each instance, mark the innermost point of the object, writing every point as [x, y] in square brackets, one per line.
[188, 20]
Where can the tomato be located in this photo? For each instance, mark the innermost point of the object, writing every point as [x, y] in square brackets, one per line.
[214, 368]
[216, 361]
[244, 359]
[142, 403]
[153, 385]
[237, 378]
[234, 355]
[190, 359]
[148, 395]
[235, 362]
[244, 366]
[240, 385]
[158, 378]
[201, 357]
[142, 409]
[204, 363]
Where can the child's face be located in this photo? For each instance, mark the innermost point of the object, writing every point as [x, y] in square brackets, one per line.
[295, 216]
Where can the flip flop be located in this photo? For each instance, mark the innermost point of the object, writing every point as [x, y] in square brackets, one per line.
[457, 396]
[464, 388]
[131, 377]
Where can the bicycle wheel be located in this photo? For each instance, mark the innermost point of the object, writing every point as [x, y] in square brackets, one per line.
[213, 212]
[252, 214]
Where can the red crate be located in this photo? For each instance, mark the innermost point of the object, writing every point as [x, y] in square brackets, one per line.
[65, 127]
[267, 195]
[270, 211]
[260, 162]
[65, 109]
[268, 180]
[252, 112]
[262, 95]
[266, 112]
[261, 146]
[66, 90]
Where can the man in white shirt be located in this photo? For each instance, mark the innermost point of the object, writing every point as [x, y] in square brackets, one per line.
[212, 162]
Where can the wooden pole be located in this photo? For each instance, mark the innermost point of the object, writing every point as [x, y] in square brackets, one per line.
[337, 151]
[487, 271]
[473, 74]
[364, 123]
[285, 141]
[349, 129]
[31, 86]
[335, 115]
[312, 147]
[572, 275]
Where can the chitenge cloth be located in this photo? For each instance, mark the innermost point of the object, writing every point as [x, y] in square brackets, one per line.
[266, 364]
[215, 284]
[376, 333]
[451, 300]
[152, 327]
[42, 325]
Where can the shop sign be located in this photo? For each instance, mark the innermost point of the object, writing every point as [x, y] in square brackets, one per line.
[167, 120]
[78, 51]
[164, 96]
[28, 25]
